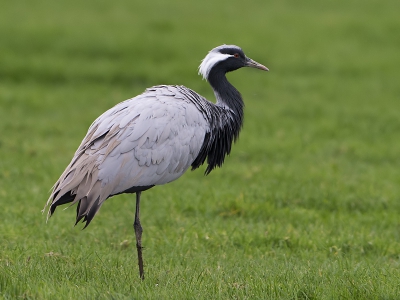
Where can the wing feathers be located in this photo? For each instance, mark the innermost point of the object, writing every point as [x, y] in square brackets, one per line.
[144, 141]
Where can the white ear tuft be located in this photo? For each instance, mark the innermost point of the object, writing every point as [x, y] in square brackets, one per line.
[212, 58]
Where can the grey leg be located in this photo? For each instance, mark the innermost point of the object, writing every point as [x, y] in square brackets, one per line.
[138, 233]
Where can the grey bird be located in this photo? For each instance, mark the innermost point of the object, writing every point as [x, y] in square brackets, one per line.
[153, 138]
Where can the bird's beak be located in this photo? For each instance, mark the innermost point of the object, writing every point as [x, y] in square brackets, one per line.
[253, 64]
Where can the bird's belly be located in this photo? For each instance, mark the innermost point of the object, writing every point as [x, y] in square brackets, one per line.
[145, 168]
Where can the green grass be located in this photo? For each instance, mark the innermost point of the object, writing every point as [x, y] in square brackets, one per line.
[307, 205]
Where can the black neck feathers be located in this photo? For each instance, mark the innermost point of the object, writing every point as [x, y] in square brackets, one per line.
[227, 95]
[225, 118]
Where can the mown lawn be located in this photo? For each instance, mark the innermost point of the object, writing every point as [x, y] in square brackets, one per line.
[307, 205]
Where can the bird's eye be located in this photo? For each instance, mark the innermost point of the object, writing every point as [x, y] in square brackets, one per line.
[236, 55]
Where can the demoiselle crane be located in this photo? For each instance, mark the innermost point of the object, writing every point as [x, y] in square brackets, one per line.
[153, 138]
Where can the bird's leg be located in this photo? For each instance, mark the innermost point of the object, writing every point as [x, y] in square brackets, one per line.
[138, 233]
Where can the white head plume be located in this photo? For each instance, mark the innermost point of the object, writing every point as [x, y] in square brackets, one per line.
[213, 57]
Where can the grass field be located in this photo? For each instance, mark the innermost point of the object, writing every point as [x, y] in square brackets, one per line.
[307, 205]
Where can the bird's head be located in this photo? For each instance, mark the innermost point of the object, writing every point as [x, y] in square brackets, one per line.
[226, 58]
